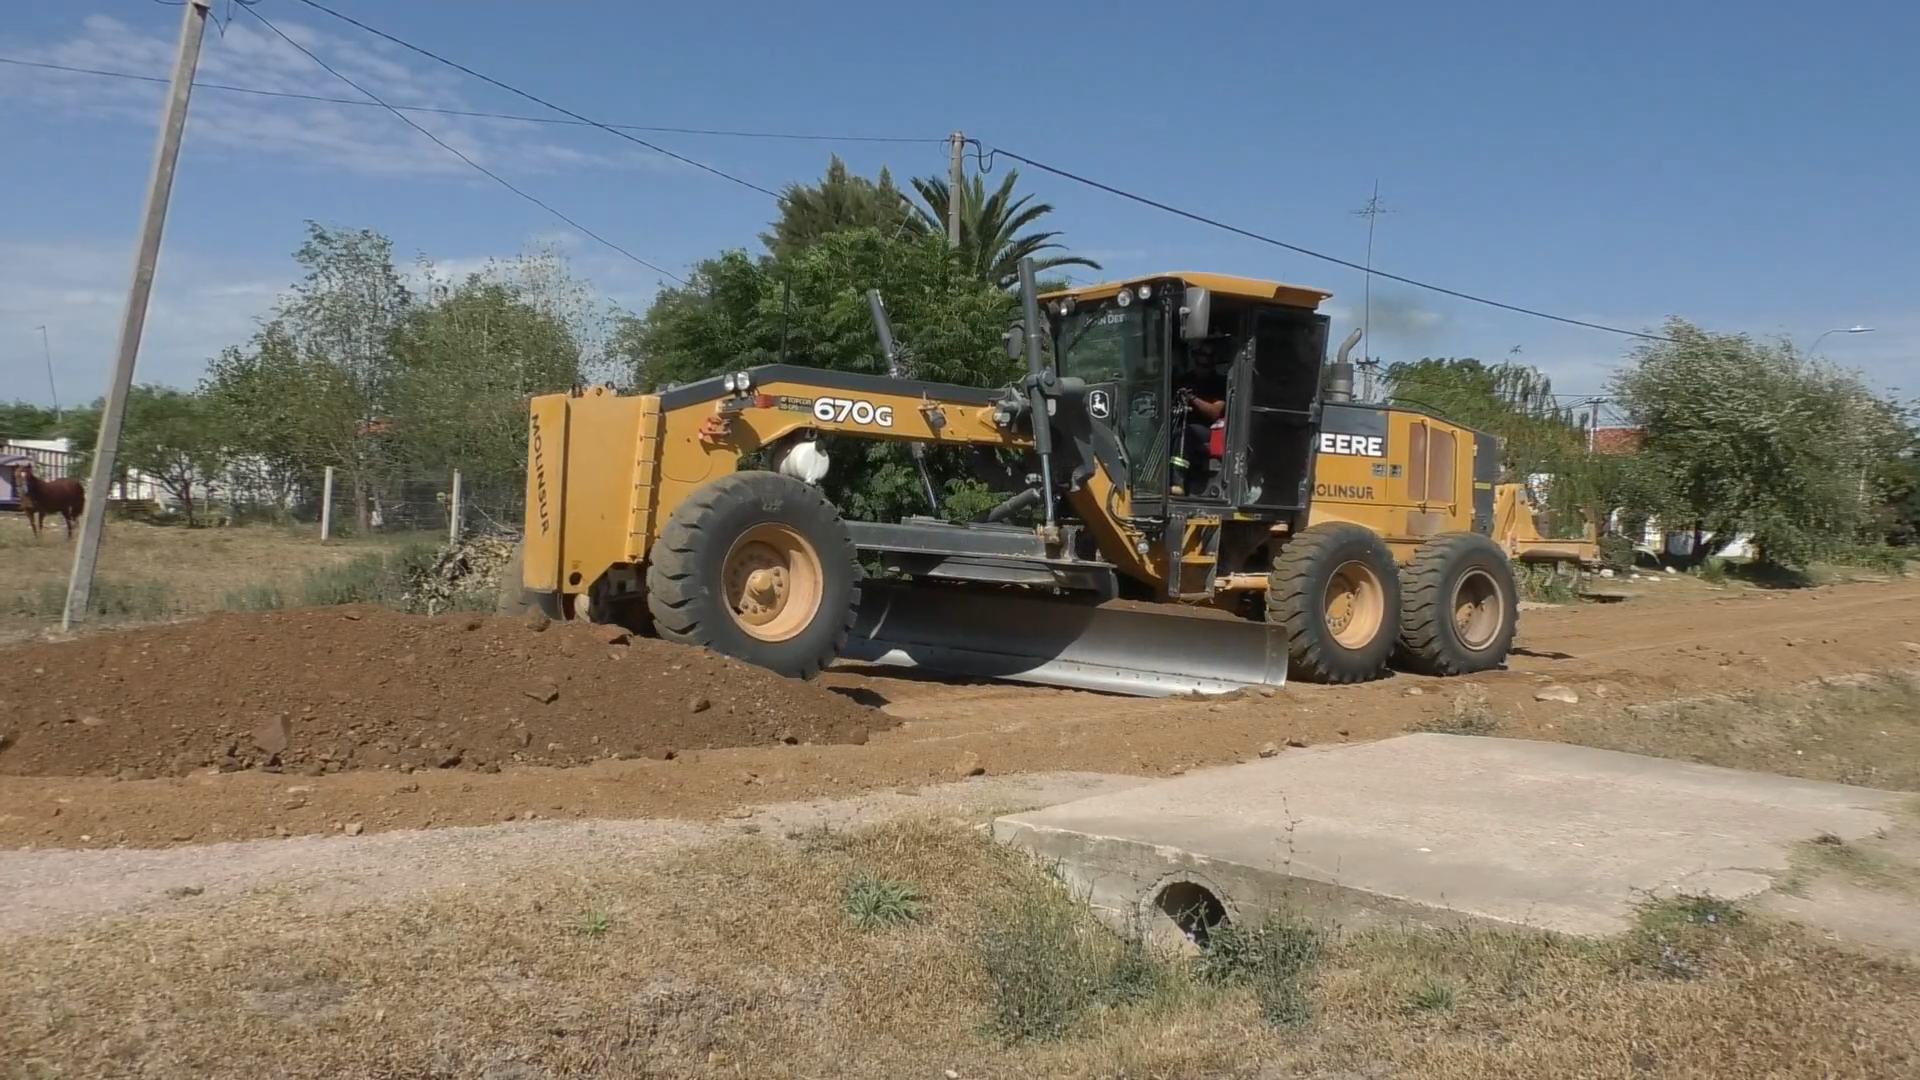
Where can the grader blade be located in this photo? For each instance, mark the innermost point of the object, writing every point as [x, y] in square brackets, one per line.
[1117, 650]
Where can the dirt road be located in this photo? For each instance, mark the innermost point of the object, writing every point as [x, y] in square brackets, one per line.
[1674, 639]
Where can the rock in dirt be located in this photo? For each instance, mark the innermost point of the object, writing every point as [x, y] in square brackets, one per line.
[698, 704]
[1269, 749]
[969, 765]
[353, 700]
[545, 693]
[1564, 694]
[272, 735]
[353, 828]
[1911, 646]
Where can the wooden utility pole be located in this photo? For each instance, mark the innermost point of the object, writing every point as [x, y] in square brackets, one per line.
[173, 122]
[956, 176]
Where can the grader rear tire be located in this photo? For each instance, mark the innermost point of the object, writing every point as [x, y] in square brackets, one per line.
[759, 567]
[1461, 606]
[1336, 590]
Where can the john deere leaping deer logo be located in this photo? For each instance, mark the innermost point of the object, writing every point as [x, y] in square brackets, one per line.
[1099, 404]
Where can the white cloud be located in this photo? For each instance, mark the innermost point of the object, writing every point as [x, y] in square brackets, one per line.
[78, 291]
[362, 139]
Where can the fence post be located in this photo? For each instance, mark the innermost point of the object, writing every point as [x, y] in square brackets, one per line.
[453, 511]
[326, 506]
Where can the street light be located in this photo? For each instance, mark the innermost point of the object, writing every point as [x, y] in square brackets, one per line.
[1855, 329]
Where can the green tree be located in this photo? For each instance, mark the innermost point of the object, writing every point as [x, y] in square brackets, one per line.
[840, 201]
[175, 438]
[734, 310]
[1513, 401]
[22, 420]
[1893, 482]
[1752, 437]
[314, 386]
[991, 241]
[464, 367]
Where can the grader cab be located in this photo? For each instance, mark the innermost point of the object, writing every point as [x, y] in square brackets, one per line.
[1199, 507]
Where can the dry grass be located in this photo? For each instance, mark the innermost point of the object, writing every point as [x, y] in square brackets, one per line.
[1861, 730]
[153, 572]
[743, 961]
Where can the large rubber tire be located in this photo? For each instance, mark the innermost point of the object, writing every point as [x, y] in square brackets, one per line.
[704, 581]
[1460, 606]
[513, 591]
[1336, 590]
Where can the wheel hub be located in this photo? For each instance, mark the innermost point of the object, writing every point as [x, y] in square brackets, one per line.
[1354, 605]
[1477, 610]
[773, 582]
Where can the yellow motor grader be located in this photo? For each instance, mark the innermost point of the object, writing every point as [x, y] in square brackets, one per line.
[1309, 533]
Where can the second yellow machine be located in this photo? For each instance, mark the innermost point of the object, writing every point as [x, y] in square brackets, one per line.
[1166, 550]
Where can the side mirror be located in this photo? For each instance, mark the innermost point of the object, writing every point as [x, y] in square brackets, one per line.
[1016, 340]
[1195, 311]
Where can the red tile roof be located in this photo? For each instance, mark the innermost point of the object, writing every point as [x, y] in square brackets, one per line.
[1618, 440]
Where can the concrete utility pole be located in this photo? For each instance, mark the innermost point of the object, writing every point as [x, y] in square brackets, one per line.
[957, 144]
[173, 122]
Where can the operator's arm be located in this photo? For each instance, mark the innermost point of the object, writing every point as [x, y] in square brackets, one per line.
[1212, 410]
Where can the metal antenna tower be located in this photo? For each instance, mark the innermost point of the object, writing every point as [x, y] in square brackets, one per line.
[1371, 211]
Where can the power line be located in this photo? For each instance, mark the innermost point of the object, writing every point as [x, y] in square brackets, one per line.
[986, 152]
[491, 81]
[477, 113]
[495, 177]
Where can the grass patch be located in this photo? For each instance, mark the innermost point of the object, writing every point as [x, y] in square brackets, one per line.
[1432, 995]
[1274, 957]
[1863, 864]
[875, 903]
[1855, 731]
[1051, 968]
[594, 923]
[740, 959]
[260, 597]
[386, 578]
[110, 598]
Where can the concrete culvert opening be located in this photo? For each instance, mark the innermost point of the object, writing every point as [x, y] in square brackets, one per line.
[1193, 908]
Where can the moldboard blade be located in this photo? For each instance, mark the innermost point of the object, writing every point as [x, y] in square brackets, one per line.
[1025, 638]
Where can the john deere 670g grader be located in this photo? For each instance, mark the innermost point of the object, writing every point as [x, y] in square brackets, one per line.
[1320, 536]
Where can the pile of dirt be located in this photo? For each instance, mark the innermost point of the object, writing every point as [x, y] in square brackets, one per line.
[325, 690]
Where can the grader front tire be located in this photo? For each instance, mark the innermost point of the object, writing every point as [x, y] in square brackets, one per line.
[760, 567]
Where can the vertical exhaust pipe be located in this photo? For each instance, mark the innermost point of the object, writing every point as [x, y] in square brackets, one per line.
[1340, 385]
[1037, 375]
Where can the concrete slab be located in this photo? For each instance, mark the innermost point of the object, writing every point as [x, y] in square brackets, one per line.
[1441, 827]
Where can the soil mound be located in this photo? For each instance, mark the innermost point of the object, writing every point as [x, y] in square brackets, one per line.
[322, 690]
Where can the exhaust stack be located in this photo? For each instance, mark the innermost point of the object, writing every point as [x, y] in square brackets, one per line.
[1340, 385]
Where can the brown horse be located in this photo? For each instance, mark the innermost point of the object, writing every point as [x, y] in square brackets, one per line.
[38, 498]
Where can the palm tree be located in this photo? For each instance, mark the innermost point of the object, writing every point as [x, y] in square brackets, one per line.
[997, 220]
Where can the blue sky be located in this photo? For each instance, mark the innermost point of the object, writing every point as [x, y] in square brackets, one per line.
[1746, 165]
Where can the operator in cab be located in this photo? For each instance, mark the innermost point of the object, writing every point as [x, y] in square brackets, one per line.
[1203, 389]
